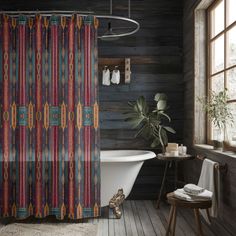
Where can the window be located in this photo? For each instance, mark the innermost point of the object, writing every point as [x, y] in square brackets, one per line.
[222, 59]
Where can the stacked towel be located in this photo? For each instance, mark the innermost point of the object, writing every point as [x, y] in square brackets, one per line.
[208, 188]
[203, 196]
[181, 194]
[193, 189]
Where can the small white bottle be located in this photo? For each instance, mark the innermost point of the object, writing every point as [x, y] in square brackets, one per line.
[182, 150]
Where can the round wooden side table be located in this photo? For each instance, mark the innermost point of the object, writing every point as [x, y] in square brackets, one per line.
[169, 159]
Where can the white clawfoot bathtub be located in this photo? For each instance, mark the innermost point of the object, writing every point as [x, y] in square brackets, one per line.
[119, 169]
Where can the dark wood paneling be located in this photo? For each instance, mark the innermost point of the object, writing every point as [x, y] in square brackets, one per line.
[156, 65]
[148, 182]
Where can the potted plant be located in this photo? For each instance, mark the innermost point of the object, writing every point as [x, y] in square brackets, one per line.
[219, 113]
[151, 124]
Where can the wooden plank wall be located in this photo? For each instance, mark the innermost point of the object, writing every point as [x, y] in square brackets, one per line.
[225, 223]
[156, 65]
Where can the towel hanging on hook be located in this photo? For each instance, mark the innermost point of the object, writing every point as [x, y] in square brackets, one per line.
[115, 79]
[106, 76]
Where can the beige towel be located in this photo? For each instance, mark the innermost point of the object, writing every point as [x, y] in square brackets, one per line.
[210, 180]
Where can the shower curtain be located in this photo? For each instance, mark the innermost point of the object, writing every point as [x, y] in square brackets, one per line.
[49, 126]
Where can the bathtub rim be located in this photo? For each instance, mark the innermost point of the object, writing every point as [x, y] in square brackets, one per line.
[137, 155]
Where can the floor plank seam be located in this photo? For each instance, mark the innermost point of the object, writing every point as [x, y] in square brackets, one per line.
[150, 219]
[138, 217]
[160, 226]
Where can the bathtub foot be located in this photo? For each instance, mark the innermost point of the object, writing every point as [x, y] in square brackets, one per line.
[115, 203]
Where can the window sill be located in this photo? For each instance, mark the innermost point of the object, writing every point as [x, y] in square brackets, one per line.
[209, 150]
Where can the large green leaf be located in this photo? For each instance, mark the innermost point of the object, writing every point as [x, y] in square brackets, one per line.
[135, 121]
[161, 140]
[155, 143]
[136, 108]
[141, 131]
[163, 136]
[156, 132]
[169, 129]
[142, 105]
[147, 131]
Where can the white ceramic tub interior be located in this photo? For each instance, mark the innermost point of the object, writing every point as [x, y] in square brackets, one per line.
[119, 169]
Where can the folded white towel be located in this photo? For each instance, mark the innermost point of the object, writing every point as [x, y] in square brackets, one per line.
[193, 189]
[205, 195]
[106, 77]
[115, 79]
[182, 195]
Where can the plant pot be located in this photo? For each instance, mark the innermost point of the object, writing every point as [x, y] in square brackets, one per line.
[217, 145]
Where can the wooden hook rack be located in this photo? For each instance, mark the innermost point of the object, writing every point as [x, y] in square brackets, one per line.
[122, 63]
[223, 168]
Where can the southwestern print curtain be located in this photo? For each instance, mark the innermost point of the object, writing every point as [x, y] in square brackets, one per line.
[49, 140]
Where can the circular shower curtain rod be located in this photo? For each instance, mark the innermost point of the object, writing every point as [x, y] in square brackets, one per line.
[136, 25]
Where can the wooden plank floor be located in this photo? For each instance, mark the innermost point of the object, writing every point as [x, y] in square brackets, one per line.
[141, 218]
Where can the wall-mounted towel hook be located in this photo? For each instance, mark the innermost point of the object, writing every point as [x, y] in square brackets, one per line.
[223, 168]
[127, 71]
[200, 157]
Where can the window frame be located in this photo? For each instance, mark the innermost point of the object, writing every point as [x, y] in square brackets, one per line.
[226, 68]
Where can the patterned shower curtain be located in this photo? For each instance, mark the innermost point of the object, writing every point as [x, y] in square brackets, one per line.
[49, 127]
